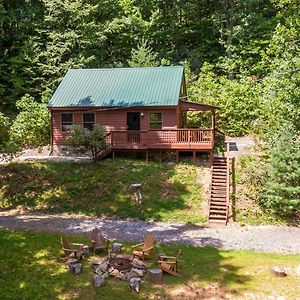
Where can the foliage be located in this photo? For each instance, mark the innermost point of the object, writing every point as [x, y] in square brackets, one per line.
[169, 192]
[8, 146]
[91, 142]
[143, 56]
[274, 181]
[4, 129]
[31, 128]
[42, 271]
[237, 99]
[283, 177]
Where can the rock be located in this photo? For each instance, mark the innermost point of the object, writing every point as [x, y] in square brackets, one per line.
[135, 284]
[279, 271]
[99, 281]
[116, 273]
[171, 164]
[116, 248]
[139, 272]
[110, 270]
[85, 251]
[136, 263]
[129, 275]
[74, 266]
[103, 266]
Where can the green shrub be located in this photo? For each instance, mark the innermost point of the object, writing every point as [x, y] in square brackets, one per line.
[4, 130]
[87, 141]
[31, 128]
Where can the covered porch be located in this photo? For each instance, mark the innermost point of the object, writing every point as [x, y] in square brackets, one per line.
[181, 138]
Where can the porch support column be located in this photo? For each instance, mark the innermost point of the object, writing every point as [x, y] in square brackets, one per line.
[213, 119]
[194, 157]
[113, 155]
[213, 125]
[177, 156]
[160, 156]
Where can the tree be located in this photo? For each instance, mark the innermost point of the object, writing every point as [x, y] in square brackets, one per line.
[31, 128]
[282, 188]
[91, 142]
[143, 56]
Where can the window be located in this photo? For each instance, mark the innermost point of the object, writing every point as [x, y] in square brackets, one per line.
[155, 120]
[66, 121]
[88, 120]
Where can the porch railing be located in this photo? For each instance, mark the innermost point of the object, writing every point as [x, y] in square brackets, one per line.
[164, 136]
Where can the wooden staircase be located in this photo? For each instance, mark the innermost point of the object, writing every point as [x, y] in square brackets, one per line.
[219, 194]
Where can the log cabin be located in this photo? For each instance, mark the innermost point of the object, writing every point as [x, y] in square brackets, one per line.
[141, 109]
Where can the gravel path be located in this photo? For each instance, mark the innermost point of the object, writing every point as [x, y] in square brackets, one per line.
[281, 239]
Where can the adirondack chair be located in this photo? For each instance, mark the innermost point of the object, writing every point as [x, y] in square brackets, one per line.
[145, 249]
[169, 264]
[99, 242]
[71, 250]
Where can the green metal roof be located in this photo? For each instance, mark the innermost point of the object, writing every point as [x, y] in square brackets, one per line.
[150, 86]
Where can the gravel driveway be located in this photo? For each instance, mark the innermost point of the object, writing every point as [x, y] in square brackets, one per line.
[281, 239]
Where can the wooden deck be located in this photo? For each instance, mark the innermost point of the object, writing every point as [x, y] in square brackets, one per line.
[173, 139]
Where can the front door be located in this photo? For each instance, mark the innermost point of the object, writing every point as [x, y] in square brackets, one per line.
[133, 121]
[133, 127]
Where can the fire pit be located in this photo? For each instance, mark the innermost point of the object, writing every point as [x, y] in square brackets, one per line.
[120, 263]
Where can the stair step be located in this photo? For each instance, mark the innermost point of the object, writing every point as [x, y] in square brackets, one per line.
[214, 206]
[218, 200]
[217, 222]
[217, 217]
[217, 212]
[218, 192]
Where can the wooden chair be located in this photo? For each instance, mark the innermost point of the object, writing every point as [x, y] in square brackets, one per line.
[169, 264]
[146, 248]
[71, 250]
[99, 242]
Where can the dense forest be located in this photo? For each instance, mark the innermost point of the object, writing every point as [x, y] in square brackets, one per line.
[243, 56]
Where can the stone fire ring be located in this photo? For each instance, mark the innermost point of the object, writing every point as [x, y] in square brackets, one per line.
[120, 263]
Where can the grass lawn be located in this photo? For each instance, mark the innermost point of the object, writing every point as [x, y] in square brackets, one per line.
[169, 192]
[31, 267]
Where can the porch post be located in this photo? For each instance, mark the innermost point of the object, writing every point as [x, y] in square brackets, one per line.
[194, 157]
[177, 156]
[213, 125]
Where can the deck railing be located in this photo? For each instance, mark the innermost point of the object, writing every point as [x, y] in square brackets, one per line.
[163, 136]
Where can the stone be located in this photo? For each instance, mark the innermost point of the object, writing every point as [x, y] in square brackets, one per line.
[74, 266]
[103, 266]
[279, 271]
[139, 272]
[171, 164]
[116, 248]
[136, 263]
[115, 273]
[99, 281]
[135, 284]
[155, 276]
[85, 250]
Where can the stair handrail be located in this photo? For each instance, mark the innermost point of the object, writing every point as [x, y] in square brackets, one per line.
[227, 180]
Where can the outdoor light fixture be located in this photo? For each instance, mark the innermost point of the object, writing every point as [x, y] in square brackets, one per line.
[142, 114]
